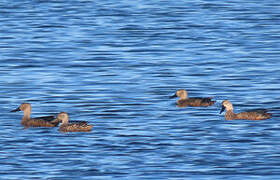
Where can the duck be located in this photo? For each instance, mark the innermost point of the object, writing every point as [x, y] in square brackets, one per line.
[44, 121]
[258, 114]
[75, 126]
[184, 101]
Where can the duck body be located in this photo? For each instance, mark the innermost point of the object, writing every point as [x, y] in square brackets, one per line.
[251, 115]
[195, 102]
[75, 126]
[44, 121]
[260, 114]
[184, 101]
[48, 121]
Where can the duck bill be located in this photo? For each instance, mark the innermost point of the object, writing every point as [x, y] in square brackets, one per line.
[15, 110]
[222, 110]
[173, 96]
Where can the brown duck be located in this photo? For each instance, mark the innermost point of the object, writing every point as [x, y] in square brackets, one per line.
[260, 114]
[76, 126]
[45, 121]
[184, 101]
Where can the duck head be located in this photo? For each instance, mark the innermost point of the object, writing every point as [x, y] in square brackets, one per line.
[226, 105]
[23, 107]
[182, 93]
[63, 117]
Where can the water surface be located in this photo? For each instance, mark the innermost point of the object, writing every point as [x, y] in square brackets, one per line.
[115, 64]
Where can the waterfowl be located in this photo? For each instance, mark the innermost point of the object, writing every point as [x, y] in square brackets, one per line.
[259, 114]
[77, 126]
[45, 121]
[194, 101]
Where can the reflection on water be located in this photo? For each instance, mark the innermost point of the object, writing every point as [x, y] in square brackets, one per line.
[115, 64]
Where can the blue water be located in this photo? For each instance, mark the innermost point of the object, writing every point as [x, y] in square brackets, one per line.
[115, 64]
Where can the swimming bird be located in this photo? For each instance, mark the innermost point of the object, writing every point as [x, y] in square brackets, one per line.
[44, 121]
[194, 101]
[77, 126]
[259, 114]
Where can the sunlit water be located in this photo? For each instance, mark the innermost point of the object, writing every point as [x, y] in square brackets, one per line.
[115, 64]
